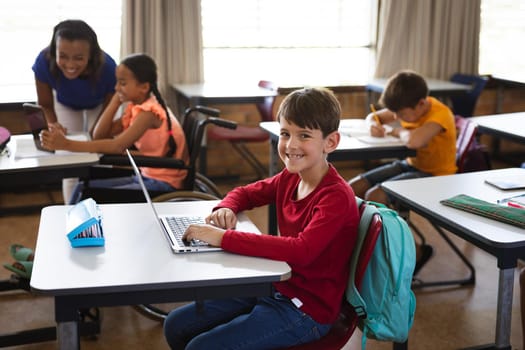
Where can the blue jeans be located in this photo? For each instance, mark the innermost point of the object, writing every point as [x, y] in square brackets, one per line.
[241, 323]
[126, 182]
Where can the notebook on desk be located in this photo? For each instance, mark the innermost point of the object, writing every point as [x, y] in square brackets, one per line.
[173, 226]
[507, 183]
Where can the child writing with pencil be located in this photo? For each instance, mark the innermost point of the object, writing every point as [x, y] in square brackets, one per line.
[318, 220]
[426, 125]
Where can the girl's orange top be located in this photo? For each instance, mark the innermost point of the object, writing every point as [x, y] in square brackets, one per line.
[154, 142]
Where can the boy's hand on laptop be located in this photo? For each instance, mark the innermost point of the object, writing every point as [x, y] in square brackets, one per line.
[206, 233]
[223, 218]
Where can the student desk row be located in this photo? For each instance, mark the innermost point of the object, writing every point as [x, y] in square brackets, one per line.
[137, 266]
[509, 126]
[213, 93]
[503, 241]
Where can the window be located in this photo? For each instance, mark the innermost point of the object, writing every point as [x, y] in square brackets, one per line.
[27, 26]
[501, 48]
[288, 40]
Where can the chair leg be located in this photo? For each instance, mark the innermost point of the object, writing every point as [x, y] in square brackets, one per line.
[259, 168]
[417, 231]
[400, 346]
[471, 279]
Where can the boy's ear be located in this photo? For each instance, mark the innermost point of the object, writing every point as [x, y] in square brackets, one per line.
[332, 141]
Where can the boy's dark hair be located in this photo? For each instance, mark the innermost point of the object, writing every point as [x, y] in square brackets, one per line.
[144, 69]
[312, 108]
[73, 29]
[404, 90]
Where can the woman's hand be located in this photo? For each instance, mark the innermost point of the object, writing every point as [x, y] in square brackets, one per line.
[57, 126]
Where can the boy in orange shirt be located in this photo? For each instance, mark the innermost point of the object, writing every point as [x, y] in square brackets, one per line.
[426, 125]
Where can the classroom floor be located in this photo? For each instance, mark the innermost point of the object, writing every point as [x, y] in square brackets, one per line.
[446, 318]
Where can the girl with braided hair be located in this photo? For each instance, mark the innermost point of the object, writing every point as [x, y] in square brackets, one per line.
[146, 124]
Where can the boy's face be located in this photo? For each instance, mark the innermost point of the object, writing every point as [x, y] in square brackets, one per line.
[303, 150]
[411, 115]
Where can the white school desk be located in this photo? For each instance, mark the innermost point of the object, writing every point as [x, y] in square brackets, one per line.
[506, 80]
[350, 148]
[206, 94]
[509, 126]
[440, 89]
[136, 265]
[38, 167]
[505, 242]
[218, 93]
[436, 87]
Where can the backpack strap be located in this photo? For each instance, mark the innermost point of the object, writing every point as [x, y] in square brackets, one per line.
[352, 294]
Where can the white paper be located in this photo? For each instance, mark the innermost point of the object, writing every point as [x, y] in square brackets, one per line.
[25, 148]
[387, 140]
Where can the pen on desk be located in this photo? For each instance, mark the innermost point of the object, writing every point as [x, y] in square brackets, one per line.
[376, 117]
[505, 200]
[515, 205]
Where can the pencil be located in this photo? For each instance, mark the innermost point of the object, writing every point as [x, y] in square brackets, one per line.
[376, 117]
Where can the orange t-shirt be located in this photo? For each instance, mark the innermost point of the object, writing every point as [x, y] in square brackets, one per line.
[154, 142]
[439, 156]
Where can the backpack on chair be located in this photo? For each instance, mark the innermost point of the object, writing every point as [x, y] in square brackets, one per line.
[386, 303]
[470, 154]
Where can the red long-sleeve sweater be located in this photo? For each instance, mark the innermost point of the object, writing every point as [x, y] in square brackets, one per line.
[317, 237]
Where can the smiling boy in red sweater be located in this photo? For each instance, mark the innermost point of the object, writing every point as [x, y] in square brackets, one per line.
[318, 219]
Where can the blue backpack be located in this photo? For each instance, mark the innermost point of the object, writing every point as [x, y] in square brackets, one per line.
[385, 303]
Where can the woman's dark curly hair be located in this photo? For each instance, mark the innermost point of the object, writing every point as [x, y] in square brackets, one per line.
[74, 29]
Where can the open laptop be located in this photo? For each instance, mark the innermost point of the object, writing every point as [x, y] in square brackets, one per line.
[173, 226]
[37, 122]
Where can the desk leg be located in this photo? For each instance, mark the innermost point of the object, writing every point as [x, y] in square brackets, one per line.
[272, 212]
[504, 312]
[66, 316]
[67, 335]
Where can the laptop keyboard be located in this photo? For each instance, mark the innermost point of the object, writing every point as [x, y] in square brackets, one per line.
[179, 224]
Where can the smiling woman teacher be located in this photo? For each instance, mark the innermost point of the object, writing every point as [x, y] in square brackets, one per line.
[75, 81]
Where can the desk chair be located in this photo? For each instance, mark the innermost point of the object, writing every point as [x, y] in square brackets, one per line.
[464, 104]
[345, 325]
[194, 124]
[244, 134]
[468, 158]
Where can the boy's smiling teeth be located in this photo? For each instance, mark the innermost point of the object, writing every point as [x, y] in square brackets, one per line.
[295, 155]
